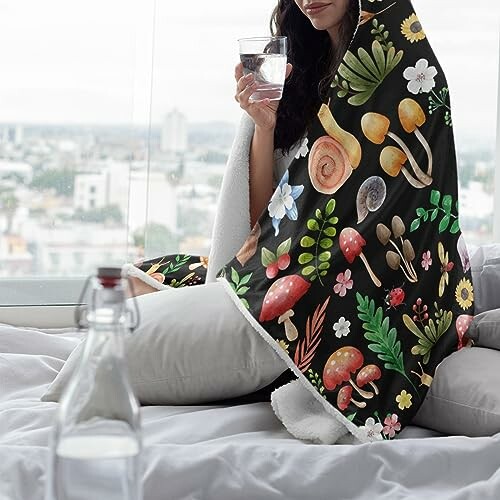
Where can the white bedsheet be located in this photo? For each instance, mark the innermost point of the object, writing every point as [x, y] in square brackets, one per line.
[232, 452]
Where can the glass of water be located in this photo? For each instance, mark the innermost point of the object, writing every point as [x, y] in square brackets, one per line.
[265, 57]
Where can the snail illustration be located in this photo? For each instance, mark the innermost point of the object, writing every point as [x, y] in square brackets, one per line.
[329, 165]
[371, 196]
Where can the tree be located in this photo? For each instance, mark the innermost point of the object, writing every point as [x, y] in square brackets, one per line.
[107, 214]
[61, 180]
[8, 205]
[156, 239]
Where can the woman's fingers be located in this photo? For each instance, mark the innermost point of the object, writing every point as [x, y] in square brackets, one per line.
[289, 68]
[238, 71]
[244, 96]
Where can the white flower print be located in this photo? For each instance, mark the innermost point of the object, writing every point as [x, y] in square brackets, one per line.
[281, 201]
[372, 430]
[304, 148]
[421, 77]
[342, 327]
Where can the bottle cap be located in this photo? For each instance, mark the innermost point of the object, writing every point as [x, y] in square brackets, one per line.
[109, 277]
[109, 272]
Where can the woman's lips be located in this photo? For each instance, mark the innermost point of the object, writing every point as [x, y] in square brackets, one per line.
[314, 8]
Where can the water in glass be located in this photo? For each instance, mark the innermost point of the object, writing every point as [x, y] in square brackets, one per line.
[269, 72]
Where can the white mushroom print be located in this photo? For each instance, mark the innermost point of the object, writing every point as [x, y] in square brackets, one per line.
[421, 77]
[280, 299]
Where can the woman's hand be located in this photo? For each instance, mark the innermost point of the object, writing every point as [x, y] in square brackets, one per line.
[263, 112]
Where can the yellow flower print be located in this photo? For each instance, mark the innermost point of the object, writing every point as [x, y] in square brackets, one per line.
[464, 294]
[403, 400]
[412, 29]
[284, 345]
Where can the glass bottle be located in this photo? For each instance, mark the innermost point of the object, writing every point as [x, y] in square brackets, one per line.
[96, 441]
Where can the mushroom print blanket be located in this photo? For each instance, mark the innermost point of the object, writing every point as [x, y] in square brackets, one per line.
[357, 273]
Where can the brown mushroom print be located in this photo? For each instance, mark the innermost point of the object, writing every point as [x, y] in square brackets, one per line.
[339, 367]
[403, 257]
[280, 300]
[376, 128]
[351, 244]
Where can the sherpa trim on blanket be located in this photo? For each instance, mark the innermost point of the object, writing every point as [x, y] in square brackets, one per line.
[359, 257]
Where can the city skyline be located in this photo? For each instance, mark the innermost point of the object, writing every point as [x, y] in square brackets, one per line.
[68, 77]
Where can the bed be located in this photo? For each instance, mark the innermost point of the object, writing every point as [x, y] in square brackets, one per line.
[229, 451]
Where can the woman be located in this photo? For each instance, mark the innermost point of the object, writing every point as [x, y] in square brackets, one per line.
[311, 28]
[327, 29]
[353, 273]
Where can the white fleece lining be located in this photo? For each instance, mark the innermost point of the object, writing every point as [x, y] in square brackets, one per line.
[131, 270]
[352, 428]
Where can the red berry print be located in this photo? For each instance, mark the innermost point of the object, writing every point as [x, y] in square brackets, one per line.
[283, 261]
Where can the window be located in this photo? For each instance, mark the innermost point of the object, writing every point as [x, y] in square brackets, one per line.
[118, 117]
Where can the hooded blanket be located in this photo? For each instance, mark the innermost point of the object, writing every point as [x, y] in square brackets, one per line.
[357, 273]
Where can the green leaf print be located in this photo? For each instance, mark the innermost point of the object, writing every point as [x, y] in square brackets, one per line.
[384, 339]
[316, 381]
[361, 75]
[238, 285]
[432, 332]
[443, 206]
[180, 260]
[441, 100]
[317, 259]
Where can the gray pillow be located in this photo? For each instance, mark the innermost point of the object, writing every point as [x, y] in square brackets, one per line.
[192, 346]
[485, 329]
[464, 397]
[485, 269]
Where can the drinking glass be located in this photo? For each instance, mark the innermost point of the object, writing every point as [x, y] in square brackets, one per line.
[265, 57]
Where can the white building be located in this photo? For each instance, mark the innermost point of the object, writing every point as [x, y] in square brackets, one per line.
[24, 170]
[77, 249]
[116, 184]
[13, 135]
[174, 135]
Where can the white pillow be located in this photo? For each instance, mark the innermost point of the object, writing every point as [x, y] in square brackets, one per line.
[193, 345]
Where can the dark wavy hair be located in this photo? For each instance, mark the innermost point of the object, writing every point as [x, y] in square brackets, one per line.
[314, 61]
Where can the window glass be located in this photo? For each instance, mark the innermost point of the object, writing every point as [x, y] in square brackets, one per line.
[464, 36]
[115, 129]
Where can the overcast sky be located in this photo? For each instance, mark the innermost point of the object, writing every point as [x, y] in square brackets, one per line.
[89, 61]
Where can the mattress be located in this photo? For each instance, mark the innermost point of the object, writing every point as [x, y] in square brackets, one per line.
[232, 451]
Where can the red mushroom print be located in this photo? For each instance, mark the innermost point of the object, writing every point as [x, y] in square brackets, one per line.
[462, 325]
[351, 244]
[281, 298]
[367, 375]
[339, 367]
[344, 397]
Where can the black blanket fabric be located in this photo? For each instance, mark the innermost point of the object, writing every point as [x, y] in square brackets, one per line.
[357, 272]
